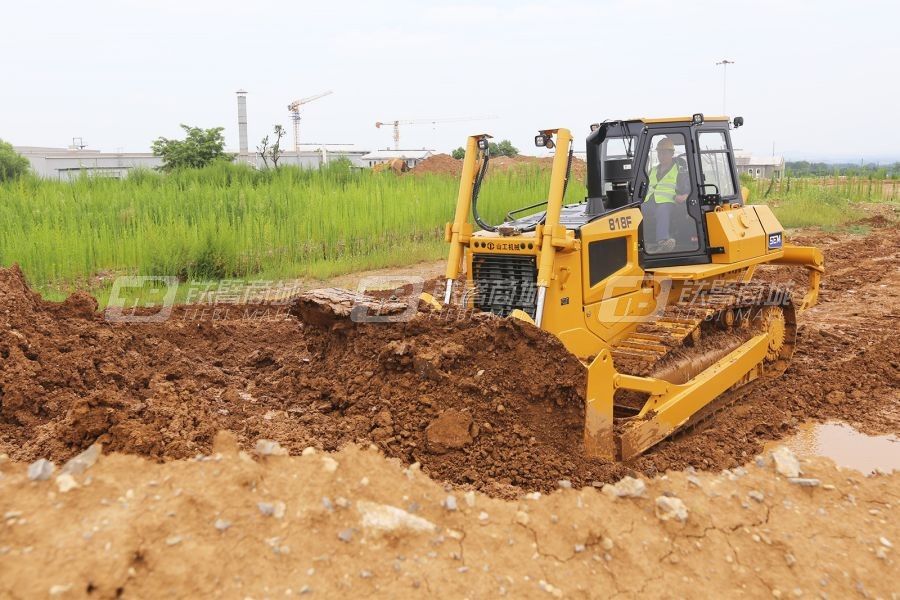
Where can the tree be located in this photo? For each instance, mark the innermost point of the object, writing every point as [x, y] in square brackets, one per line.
[504, 148]
[12, 164]
[273, 152]
[263, 150]
[199, 148]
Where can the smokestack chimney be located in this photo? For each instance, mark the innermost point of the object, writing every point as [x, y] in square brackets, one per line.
[244, 152]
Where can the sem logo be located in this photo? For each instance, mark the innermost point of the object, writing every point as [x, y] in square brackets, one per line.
[774, 240]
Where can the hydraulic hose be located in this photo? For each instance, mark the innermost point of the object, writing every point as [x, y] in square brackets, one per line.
[477, 188]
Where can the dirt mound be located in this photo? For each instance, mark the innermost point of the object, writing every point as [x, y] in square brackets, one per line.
[353, 524]
[161, 390]
[444, 164]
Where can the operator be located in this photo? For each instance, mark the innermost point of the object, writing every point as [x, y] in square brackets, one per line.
[668, 188]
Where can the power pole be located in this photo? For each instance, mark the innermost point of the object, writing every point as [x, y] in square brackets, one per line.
[724, 63]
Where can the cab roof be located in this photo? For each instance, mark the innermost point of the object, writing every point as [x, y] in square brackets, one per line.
[677, 119]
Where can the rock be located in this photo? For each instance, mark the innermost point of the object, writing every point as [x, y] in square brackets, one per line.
[607, 544]
[269, 448]
[346, 535]
[326, 504]
[786, 463]
[271, 509]
[522, 518]
[451, 430]
[173, 540]
[804, 481]
[222, 524]
[469, 497]
[41, 470]
[450, 502]
[66, 482]
[483, 517]
[329, 465]
[84, 461]
[384, 517]
[885, 542]
[308, 451]
[579, 548]
[756, 495]
[668, 507]
[627, 487]
[59, 590]
[564, 484]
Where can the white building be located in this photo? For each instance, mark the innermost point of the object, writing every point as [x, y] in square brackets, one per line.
[65, 163]
[411, 157]
[315, 155]
[764, 167]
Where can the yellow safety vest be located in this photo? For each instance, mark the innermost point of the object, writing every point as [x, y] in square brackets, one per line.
[663, 190]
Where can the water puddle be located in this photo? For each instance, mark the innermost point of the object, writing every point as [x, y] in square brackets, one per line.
[847, 447]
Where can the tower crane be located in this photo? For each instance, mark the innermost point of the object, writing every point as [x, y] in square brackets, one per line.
[397, 123]
[294, 107]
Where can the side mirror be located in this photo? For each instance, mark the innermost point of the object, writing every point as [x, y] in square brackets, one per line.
[738, 122]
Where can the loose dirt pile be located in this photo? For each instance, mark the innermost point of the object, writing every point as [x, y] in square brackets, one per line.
[444, 164]
[485, 402]
[353, 524]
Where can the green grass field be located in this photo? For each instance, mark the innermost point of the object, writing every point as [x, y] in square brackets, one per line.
[228, 221]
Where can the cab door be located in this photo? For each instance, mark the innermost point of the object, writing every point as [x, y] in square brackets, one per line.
[672, 231]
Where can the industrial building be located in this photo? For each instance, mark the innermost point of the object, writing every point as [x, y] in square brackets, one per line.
[763, 167]
[70, 163]
[65, 164]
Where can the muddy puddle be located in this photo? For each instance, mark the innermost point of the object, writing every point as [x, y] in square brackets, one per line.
[847, 447]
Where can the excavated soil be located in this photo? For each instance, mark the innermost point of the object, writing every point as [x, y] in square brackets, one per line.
[354, 525]
[444, 164]
[482, 402]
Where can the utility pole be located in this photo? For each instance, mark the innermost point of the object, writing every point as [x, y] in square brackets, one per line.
[724, 63]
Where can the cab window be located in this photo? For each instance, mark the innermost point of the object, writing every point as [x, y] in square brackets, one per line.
[715, 167]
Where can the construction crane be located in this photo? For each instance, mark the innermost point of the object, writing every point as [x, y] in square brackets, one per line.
[294, 107]
[397, 123]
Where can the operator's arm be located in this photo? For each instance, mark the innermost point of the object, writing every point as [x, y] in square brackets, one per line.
[682, 186]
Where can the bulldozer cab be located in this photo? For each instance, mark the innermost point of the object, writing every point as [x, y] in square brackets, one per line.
[674, 170]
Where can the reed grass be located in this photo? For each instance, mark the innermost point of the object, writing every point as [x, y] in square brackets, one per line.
[229, 221]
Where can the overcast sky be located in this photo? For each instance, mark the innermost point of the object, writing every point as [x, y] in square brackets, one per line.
[819, 79]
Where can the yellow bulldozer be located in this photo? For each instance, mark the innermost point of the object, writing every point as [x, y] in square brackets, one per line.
[649, 280]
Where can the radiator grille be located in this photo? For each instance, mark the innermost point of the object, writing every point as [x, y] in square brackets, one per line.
[504, 282]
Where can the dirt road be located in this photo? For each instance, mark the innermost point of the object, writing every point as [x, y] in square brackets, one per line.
[353, 524]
